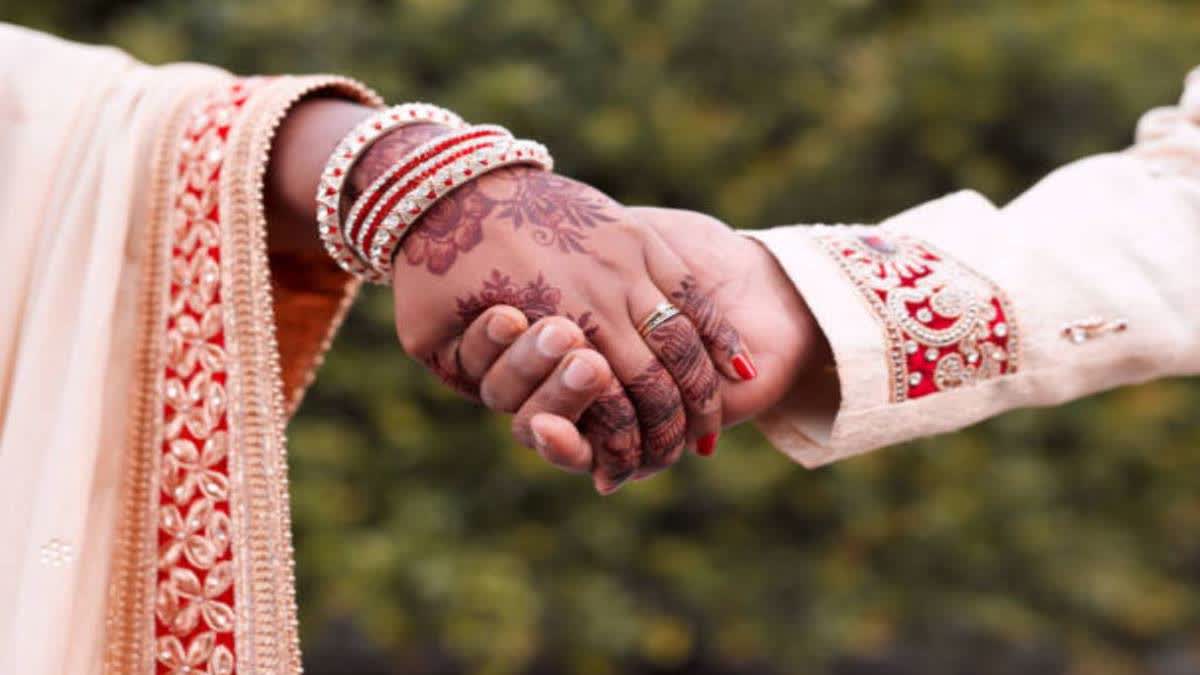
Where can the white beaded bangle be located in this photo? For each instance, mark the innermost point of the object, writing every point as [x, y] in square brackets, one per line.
[501, 153]
[382, 191]
[346, 153]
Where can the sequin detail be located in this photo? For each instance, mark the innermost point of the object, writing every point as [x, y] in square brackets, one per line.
[194, 601]
[57, 553]
[946, 326]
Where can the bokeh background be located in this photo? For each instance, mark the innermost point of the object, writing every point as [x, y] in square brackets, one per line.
[1053, 541]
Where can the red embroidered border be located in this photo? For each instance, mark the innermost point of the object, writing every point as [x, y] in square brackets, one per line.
[194, 604]
[946, 325]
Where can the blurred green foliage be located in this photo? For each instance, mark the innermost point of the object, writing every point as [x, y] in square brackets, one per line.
[1060, 541]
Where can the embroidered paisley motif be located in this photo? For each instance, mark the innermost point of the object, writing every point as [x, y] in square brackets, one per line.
[946, 325]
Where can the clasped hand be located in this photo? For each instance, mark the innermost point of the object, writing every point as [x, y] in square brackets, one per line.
[527, 290]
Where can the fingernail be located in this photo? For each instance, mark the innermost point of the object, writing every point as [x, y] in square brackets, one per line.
[538, 441]
[553, 343]
[579, 375]
[707, 445]
[744, 368]
[502, 330]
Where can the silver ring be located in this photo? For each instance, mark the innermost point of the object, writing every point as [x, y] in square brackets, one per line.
[663, 313]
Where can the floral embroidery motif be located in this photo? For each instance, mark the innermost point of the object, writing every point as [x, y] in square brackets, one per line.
[57, 553]
[194, 604]
[946, 325]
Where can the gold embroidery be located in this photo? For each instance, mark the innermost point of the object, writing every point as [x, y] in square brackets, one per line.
[267, 638]
[57, 553]
[205, 516]
[194, 600]
[129, 627]
[945, 325]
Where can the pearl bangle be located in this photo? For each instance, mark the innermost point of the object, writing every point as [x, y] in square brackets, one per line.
[487, 156]
[341, 161]
[369, 208]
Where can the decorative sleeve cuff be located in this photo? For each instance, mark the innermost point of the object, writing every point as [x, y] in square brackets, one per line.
[904, 320]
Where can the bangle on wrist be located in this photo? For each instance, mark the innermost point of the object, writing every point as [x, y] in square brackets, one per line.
[382, 194]
[479, 160]
[342, 160]
[365, 244]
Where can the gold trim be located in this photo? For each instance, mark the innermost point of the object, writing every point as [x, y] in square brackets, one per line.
[980, 344]
[129, 621]
[266, 636]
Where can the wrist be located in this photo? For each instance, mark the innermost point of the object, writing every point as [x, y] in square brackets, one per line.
[306, 138]
[383, 154]
[302, 145]
[804, 351]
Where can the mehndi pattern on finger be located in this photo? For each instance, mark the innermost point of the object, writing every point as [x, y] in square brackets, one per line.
[681, 351]
[660, 413]
[611, 426]
[717, 333]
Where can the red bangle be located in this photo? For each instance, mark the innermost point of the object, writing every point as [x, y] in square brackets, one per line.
[341, 161]
[425, 186]
[369, 208]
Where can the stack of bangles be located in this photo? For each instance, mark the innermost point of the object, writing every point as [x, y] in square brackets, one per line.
[366, 243]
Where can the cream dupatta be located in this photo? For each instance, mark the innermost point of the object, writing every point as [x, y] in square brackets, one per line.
[150, 353]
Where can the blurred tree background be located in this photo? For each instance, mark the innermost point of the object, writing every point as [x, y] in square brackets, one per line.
[1059, 541]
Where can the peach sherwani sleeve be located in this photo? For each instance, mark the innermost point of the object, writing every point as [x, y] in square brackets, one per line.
[957, 310]
[151, 350]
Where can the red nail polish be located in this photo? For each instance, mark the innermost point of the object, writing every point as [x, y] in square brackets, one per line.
[707, 445]
[744, 368]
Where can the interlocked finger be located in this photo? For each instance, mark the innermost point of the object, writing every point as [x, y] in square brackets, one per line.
[521, 369]
[679, 348]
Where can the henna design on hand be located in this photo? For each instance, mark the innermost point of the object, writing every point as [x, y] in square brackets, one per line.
[681, 351]
[584, 321]
[611, 426]
[558, 209]
[454, 225]
[715, 331]
[537, 299]
[660, 413]
[451, 376]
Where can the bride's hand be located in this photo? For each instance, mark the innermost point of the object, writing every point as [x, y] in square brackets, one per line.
[551, 246]
[547, 245]
[743, 282]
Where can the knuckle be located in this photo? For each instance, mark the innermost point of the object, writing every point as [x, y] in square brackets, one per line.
[708, 407]
[601, 374]
[557, 400]
[631, 227]
[673, 456]
[415, 342]
[495, 399]
[521, 431]
[567, 326]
